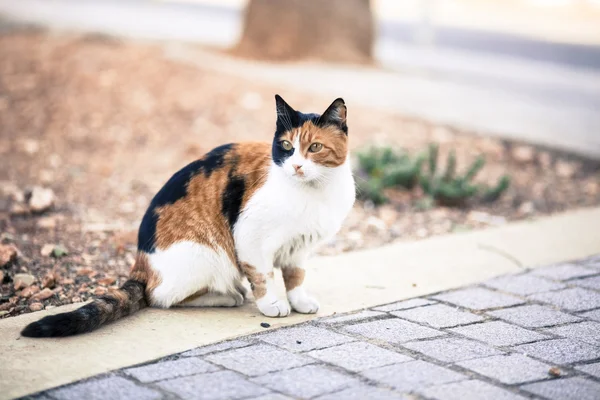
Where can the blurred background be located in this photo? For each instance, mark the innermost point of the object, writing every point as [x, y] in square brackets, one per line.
[463, 114]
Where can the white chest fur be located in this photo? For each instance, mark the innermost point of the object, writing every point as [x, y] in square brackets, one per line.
[284, 217]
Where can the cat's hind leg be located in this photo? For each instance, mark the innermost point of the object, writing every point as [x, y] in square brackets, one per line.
[213, 299]
[187, 268]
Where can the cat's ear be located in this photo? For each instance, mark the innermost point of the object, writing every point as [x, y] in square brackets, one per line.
[285, 113]
[336, 115]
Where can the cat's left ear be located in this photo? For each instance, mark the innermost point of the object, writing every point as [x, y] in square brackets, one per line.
[336, 115]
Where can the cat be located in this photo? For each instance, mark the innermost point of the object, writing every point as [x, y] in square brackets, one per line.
[236, 213]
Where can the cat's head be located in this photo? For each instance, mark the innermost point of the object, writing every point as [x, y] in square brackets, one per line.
[309, 146]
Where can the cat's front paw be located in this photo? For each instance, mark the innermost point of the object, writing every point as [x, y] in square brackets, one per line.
[303, 303]
[275, 308]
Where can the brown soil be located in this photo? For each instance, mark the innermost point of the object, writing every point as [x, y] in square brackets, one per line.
[105, 123]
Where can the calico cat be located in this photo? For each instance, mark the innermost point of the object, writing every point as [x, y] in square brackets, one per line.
[239, 211]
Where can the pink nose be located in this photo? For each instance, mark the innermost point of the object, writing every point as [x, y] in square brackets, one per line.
[296, 167]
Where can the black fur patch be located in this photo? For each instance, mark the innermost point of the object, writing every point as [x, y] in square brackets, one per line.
[175, 189]
[232, 198]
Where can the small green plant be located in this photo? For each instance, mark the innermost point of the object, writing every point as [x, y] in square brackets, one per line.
[451, 189]
[384, 167]
[380, 168]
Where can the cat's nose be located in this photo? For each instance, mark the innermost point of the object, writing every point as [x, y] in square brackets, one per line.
[296, 167]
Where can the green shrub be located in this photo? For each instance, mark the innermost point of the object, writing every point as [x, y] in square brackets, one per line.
[380, 168]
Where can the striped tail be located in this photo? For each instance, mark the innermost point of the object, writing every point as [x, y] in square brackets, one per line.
[105, 309]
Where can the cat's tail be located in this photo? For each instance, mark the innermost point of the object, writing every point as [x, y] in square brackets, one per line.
[116, 304]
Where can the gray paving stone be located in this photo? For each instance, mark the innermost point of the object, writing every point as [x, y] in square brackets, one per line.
[533, 316]
[509, 369]
[560, 351]
[413, 376]
[363, 392]
[478, 298]
[170, 369]
[112, 387]
[498, 333]
[305, 338]
[452, 349]
[272, 396]
[469, 390]
[438, 316]
[587, 331]
[566, 389]
[352, 317]
[306, 382]
[592, 263]
[358, 356]
[200, 351]
[575, 299]
[258, 359]
[223, 385]
[393, 330]
[523, 284]
[592, 282]
[592, 369]
[595, 315]
[563, 272]
[403, 305]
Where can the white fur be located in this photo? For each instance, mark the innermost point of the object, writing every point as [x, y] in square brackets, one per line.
[187, 267]
[286, 208]
[302, 302]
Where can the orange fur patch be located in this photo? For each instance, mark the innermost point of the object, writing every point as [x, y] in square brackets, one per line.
[141, 271]
[198, 215]
[292, 277]
[258, 281]
[334, 141]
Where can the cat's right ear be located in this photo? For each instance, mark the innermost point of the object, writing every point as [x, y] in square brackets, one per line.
[285, 113]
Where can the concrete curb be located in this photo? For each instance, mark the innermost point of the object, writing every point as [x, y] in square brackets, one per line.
[343, 283]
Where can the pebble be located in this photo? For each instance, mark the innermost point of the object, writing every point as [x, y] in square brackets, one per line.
[554, 371]
[99, 291]
[592, 188]
[47, 250]
[43, 295]
[41, 199]
[30, 291]
[565, 169]
[526, 208]
[23, 280]
[265, 325]
[36, 306]
[523, 154]
[49, 280]
[8, 253]
[76, 299]
[46, 222]
[376, 224]
[1, 277]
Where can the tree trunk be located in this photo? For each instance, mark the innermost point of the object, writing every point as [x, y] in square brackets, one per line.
[329, 30]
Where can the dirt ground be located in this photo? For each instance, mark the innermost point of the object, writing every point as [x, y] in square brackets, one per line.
[104, 123]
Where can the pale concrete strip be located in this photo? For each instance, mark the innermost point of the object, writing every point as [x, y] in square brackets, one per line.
[342, 283]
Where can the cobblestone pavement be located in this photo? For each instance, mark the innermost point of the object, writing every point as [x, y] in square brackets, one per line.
[531, 335]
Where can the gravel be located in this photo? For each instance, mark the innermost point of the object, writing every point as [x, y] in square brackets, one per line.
[89, 133]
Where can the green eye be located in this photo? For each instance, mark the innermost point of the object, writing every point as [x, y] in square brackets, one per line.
[287, 146]
[315, 147]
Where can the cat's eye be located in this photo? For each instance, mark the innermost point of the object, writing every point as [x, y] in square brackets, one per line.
[315, 147]
[287, 146]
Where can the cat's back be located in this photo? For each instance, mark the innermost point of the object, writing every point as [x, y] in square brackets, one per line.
[202, 201]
